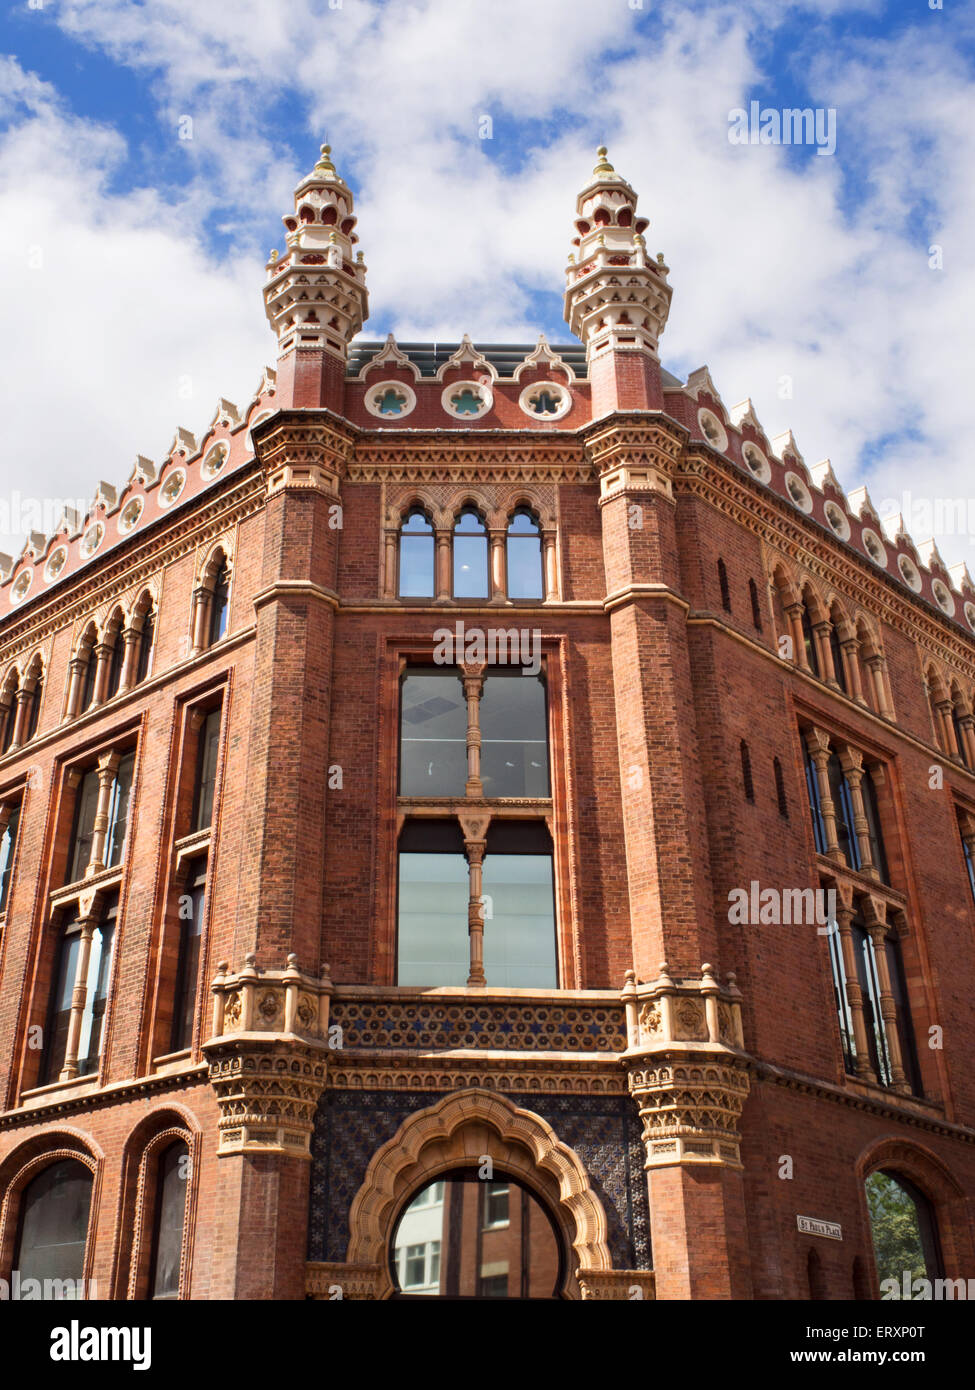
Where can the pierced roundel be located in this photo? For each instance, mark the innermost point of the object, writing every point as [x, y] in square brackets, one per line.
[970, 615]
[798, 492]
[838, 521]
[756, 462]
[390, 400]
[874, 547]
[264, 415]
[545, 400]
[172, 487]
[943, 598]
[467, 400]
[215, 459]
[909, 573]
[129, 518]
[712, 429]
[92, 539]
[55, 564]
[22, 585]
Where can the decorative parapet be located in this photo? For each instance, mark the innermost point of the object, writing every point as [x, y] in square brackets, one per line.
[635, 456]
[686, 1067]
[268, 1056]
[618, 1284]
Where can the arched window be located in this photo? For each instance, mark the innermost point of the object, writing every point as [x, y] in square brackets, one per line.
[8, 711]
[86, 654]
[524, 546]
[958, 712]
[780, 795]
[756, 606]
[746, 771]
[188, 959]
[147, 634]
[36, 696]
[416, 556]
[172, 1182]
[8, 844]
[470, 556]
[219, 603]
[809, 640]
[904, 1231]
[836, 651]
[53, 1227]
[82, 993]
[113, 637]
[723, 583]
[461, 1237]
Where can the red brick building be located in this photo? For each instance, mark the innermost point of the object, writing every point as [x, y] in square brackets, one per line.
[444, 767]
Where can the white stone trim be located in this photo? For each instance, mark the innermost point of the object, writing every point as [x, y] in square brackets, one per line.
[215, 459]
[556, 389]
[878, 554]
[712, 429]
[478, 388]
[172, 488]
[377, 390]
[909, 573]
[21, 586]
[756, 462]
[55, 563]
[92, 539]
[799, 495]
[838, 521]
[131, 515]
[943, 597]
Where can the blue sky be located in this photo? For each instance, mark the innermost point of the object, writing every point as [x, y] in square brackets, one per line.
[803, 281]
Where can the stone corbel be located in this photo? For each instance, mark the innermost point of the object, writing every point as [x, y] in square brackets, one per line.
[268, 1056]
[686, 1067]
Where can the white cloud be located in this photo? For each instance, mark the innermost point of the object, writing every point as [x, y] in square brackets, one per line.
[775, 273]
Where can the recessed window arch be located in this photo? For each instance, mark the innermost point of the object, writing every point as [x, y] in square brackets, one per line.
[8, 710]
[903, 1228]
[524, 555]
[35, 687]
[416, 555]
[172, 1183]
[52, 1229]
[144, 623]
[211, 601]
[809, 640]
[113, 643]
[461, 1236]
[470, 555]
[836, 648]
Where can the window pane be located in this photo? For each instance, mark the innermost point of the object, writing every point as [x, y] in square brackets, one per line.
[92, 1018]
[873, 825]
[433, 749]
[903, 1230]
[519, 925]
[188, 963]
[839, 993]
[64, 976]
[54, 1225]
[87, 805]
[170, 1213]
[8, 844]
[207, 770]
[219, 604]
[470, 557]
[514, 735]
[118, 810]
[812, 787]
[416, 558]
[434, 893]
[524, 558]
[145, 645]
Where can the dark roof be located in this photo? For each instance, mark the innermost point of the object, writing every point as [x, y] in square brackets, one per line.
[430, 357]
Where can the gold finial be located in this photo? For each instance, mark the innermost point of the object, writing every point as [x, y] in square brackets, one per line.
[604, 166]
[332, 238]
[660, 258]
[325, 165]
[273, 257]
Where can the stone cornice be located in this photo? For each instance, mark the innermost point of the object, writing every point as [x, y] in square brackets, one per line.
[787, 532]
[115, 1092]
[485, 457]
[129, 566]
[903, 1110]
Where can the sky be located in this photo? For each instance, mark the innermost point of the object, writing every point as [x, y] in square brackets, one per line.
[149, 150]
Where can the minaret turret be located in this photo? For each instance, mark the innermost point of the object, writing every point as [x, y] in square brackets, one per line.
[315, 295]
[617, 297]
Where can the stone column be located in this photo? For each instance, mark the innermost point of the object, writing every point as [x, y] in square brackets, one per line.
[79, 995]
[852, 762]
[77, 667]
[968, 737]
[132, 636]
[854, 994]
[821, 636]
[21, 714]
[103, 660]
[475, 911]
[877, 930]
[473, 689]
[390, 556]
[107, 768]
[875, 665]
[794, 614]
[818, 744]
[442, 576]
[201, 618]
[497, 564]
[850, 649]
[549, 567]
